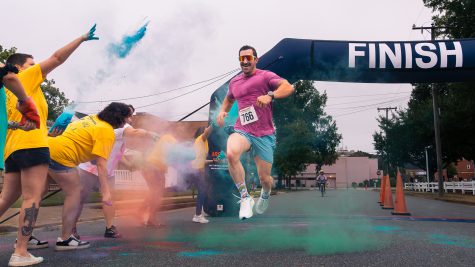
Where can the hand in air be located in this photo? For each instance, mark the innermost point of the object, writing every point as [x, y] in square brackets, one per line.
[90, 34]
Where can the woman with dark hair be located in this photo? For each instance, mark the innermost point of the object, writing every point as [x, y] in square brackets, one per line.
[88, 139]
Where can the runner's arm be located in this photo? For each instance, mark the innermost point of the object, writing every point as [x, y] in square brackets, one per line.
[61, 55]
[284, 89]
[14, 85]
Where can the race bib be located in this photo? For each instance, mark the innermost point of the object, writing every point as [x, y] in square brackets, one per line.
[248, 115]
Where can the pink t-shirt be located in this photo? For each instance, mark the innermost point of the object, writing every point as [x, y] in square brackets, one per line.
[245, 91]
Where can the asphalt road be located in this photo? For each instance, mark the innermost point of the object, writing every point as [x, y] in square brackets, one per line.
[345, 228]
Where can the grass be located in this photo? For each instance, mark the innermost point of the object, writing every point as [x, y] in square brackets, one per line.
[468, 198]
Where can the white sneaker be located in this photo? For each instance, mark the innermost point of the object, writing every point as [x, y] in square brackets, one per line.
[200, 219]
[34, 243]
[17, 260]
[262, 204]
[245, 212]
[70, 244]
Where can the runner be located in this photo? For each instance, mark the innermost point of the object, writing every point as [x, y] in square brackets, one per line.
[90, 138]
[27, 153]
[254, 90]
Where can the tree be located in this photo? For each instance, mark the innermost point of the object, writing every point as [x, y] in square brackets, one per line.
[55, 99]
[305, 133]
[406, 137]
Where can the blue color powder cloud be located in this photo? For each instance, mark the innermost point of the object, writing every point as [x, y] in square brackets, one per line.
[128, 42]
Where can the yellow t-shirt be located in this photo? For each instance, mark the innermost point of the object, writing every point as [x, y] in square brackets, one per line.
[31, 80]
[158, 155]
[201, 151]
[82, 141]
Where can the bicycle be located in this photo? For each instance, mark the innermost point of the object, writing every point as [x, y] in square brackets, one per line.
[322, 187]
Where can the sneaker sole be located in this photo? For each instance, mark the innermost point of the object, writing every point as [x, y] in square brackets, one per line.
[65, 248]
[25, 263]
[112, 236]
[33, 247]
[38, 246]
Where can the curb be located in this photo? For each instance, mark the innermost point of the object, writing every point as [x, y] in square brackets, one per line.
[173, 206]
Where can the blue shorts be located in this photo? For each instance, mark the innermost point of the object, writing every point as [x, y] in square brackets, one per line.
[262, 147]
[58, 167]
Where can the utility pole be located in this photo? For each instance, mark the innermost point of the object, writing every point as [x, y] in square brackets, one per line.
[387, 117]
[435, 105]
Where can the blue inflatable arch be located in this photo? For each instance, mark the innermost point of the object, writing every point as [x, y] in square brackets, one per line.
[342, 61]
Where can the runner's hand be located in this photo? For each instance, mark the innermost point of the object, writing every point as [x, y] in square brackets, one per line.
[29, 112]
[55, 132]
[28, 126]
[90, 34]
[263, 100]
[220, 118]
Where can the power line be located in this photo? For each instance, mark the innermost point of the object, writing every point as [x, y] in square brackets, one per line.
[166, 100]
[370, 107]
[349, 96]
[167, 91]
[359, 101]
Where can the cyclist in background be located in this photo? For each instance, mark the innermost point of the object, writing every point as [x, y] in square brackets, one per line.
[321, 181]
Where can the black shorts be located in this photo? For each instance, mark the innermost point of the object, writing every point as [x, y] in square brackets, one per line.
[26, 158]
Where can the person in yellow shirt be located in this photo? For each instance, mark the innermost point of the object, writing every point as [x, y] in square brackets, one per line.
[154, 168]
[198, 165]
[26, 153]
[88, 139]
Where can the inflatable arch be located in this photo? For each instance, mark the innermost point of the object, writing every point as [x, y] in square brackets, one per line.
[342, 61]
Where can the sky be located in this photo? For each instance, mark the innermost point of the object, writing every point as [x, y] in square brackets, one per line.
[187, 42]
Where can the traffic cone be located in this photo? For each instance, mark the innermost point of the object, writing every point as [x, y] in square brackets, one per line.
[381, 191]
[400, 202]
[388, 196]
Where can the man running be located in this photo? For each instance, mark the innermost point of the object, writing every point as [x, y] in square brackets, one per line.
[254, 90]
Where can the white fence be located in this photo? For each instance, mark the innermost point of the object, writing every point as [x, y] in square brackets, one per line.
[127, 180]
[448, 186]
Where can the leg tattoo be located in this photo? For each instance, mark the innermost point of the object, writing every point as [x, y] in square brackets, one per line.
[30, 215]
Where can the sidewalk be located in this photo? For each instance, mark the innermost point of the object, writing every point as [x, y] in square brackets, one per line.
[49, 216]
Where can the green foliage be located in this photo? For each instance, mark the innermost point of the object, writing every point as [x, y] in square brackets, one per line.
[5, 53]
[458, 14]
[404, 138]
[305, 133]
[55, 99]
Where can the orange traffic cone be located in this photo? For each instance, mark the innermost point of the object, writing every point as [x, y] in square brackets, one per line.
[388, 196]
[381, 191]
[400, 202]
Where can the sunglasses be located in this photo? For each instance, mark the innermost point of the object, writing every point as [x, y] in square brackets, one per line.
[248, 57]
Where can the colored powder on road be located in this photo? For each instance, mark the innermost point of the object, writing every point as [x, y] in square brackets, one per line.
[128, 42]
[316, 225]
[314, 239]
[200, 254]
[386, 228]
[457, 241]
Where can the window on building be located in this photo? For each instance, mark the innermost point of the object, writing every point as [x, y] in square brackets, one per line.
[468, 166]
